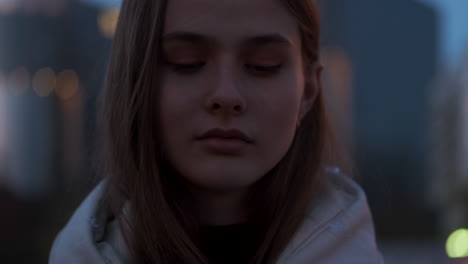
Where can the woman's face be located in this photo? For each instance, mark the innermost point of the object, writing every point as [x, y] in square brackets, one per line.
[230, 66]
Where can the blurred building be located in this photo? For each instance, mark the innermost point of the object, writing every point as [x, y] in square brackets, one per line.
[449, 190]
[53, 61]
[53, 56]
[392, 47]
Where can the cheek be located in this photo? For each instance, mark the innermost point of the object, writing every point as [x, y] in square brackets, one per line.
[279, 119]
[176, 104]
[175, 113]
[281, 104]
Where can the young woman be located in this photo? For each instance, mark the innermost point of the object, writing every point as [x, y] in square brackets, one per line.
[216, 144]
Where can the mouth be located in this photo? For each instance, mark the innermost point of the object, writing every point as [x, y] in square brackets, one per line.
[225, 142]
[230, 134]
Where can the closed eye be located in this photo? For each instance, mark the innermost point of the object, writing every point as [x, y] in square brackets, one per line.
[185, 68]
[189, 68]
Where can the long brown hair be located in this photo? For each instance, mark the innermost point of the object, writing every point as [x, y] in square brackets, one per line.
[158, 229]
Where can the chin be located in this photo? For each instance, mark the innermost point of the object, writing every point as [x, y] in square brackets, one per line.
[223, 180]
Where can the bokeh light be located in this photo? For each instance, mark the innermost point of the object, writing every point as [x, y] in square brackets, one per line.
[107, 21]
[31, 7]
[55, 8]
[19, 81]
[7, 7]
[67, 85]
[44, 82]
[457, 244]
[339, 66]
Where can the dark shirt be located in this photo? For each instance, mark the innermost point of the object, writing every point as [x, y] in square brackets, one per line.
[228, 244]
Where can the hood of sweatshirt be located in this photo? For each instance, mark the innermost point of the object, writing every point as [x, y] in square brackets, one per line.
[337, 229]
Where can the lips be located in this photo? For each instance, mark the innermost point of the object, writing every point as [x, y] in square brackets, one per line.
[226, 134]
[225, 142]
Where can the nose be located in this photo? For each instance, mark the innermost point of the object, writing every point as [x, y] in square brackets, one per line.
[226, 95]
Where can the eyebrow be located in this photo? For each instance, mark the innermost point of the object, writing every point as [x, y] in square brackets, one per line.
[196, 38]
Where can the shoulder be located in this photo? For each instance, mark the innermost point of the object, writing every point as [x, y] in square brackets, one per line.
[338, 228]
[81, 240]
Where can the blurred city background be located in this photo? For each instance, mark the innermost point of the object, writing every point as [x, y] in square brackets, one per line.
[397, 84]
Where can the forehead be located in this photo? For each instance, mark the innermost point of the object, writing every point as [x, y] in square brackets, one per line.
[231, 21]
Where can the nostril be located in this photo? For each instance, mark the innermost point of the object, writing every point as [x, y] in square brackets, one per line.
[237, 107]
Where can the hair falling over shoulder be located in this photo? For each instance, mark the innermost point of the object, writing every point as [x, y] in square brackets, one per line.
[158, 229]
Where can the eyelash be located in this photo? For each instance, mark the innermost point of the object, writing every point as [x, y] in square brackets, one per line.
[193, 67]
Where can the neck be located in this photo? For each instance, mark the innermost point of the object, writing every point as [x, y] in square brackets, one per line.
[220, 208]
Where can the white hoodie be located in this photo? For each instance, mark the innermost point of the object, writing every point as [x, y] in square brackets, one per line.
[338, 230]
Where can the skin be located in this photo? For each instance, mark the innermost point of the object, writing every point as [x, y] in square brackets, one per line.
[225, 91]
